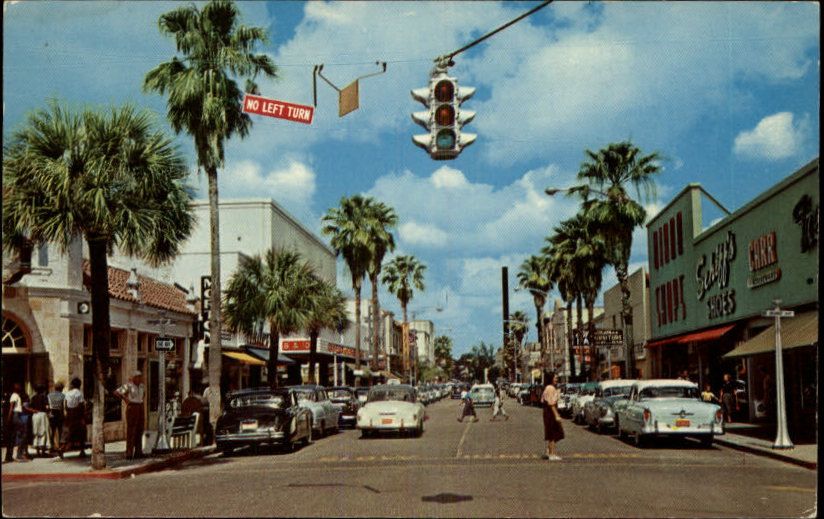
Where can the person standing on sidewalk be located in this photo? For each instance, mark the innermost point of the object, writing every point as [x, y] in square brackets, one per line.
[132, 393]
[40, 420]
[74, 426]
[553, 431]
[19, 417]
[729, 400]
[57, 404]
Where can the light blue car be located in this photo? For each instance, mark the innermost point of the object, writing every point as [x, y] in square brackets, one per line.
[656, 408]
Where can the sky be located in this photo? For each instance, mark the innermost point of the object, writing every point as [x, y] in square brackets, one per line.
[726, 92]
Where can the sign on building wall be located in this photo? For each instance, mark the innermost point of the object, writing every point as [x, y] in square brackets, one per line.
[295, 345]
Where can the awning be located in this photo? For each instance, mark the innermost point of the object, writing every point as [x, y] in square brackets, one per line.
[798, 331]
[702, 336]
[244, 358]
[262, 354]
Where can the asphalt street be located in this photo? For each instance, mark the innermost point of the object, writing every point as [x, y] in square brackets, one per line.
[454, 470]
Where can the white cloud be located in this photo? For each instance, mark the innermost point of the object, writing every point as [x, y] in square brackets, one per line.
[774, 137]
[446, 177]
[424, 235]
[293, 184]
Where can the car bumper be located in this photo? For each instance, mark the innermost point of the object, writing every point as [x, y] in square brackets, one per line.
[249, 438]
[348, 418]
[657, 429]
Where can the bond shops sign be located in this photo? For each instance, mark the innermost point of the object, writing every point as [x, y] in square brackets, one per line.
[717, 271]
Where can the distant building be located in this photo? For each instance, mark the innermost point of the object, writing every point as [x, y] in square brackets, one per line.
[639, 301]
[558, 345]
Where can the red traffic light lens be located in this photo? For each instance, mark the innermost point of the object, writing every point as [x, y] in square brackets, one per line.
[445, 140]
[444, 91]
[445, 115]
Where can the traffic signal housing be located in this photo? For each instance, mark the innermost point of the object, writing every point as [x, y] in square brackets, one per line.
[444, 118]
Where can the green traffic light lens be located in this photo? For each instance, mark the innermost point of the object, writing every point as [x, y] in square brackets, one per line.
[445, 140]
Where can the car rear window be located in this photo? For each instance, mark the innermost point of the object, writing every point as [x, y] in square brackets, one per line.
[669, 392]
[305, 396]
[340, 394]
[380, 395]
[264, 400]
[615, 391]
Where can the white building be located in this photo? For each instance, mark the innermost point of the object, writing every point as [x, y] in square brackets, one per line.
[424, 333]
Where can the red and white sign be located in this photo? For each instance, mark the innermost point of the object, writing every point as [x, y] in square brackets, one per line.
[341, 350]
[278, 109]
[295, 345]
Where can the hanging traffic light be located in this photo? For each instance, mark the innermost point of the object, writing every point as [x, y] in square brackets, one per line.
[444, 117]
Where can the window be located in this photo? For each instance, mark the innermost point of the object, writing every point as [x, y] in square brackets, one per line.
[276, 400]
[680, 233]
[13, 336]
[670, 392]
[672, 237]
[383, 394]
[666, 244]
[655, 247]
[43, 255]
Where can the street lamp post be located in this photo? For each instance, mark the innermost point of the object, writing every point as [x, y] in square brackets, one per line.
[782, 438]
[162, 444]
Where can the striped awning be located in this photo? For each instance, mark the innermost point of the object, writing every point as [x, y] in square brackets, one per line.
[244, 358]
[702, 336]
[798, 331]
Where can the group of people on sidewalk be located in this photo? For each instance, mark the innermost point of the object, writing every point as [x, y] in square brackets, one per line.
[56, 422]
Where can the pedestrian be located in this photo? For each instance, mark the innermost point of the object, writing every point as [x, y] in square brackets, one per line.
[553, 430]
[208, 427]
[729, 400]
[8, 428]
[40, 420]
[498, 406]
[467, 408]
[707, 395]
[74, 424]
[132, 393]
[19, 416]
[57, 412]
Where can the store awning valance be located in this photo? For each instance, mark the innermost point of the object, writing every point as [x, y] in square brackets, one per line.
[244, 358]
[702, 336]
[798, 331]
[263, 355]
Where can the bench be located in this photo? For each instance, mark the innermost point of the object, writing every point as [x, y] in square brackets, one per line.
[184, 432]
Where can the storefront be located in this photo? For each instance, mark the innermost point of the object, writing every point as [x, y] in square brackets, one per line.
[709, 289]
[331, 361]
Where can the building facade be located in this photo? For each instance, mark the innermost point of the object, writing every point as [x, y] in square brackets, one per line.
[423, 333]
[613, 319]
[558, 337]
[710, 287]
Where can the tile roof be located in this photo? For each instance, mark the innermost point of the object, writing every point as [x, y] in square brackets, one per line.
[152, 292]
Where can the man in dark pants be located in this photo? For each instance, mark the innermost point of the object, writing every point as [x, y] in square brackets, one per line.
[132, 392]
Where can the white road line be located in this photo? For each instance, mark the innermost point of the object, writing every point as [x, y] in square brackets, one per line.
[463, 438]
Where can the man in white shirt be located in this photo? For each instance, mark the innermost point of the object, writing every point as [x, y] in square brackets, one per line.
[132, 392]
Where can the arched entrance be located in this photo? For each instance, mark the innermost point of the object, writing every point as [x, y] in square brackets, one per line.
[20, 366]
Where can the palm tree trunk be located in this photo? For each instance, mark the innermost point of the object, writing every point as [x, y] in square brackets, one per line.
[356, 287]
[313, 348]
[373, 278]
[101, 339]
[215, 340]
[539, 325]
[569, 341]
[593, 354]
[626, 315]
[579, 325]
[272, 363]
[407, 348]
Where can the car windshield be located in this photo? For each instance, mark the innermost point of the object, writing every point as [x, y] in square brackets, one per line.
[486, 391]
[340, 394]
[258, 400]
[380, 395]
[617, 391]
[669, 392]
[305, 396]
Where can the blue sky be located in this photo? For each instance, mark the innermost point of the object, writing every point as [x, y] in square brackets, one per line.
[727, 92]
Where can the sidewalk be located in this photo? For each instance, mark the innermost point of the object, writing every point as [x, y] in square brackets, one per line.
[75, 467]
[737, 436]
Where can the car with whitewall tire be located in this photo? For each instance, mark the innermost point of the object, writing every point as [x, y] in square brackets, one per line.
[599, 413]
[325, 415]
[391, 408]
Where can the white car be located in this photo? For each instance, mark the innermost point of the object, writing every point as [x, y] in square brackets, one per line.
[325, 416]
[482, 395]
[586, 393]
[391, 408]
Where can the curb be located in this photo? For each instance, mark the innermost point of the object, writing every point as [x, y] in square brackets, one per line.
[811, 465]
[115, 473]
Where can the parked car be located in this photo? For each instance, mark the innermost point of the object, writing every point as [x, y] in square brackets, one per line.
[345, 399]
[325, 416]
[598, 413]
[456, 392]
[391, 408]
[568, 392]
[483, 395]
[264, 416]
[585, 393]
[667, 407]
[523, 394]
[361, 393]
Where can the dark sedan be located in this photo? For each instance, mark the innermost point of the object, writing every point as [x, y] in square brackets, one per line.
[345, 399]
[254, 417]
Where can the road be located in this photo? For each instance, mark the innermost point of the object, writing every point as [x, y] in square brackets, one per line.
[489, 469]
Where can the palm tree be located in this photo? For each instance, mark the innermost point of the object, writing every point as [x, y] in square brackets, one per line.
[278, 289]
[401, 276]
[111, 179]
[562, 274]
[347, 225]
[328, 311]
[608, 173]
[534, 276]
[518, 326]
[380, 219]
[205, 102]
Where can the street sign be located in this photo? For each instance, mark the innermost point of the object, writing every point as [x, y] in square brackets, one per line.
[608, 338]
[779, 313]
[278, 109]
[164, 344]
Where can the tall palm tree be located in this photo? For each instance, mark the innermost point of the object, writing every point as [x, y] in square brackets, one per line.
[205, 102]
[561, 273]
[608, 173]
[380, 219]
[518, 326]
[534, 276]
[347, 225]
[401, 276]
[328, 311]
[276, 288]
[111, 179]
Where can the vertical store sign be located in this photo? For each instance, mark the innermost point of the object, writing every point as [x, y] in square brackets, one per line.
[205, 305]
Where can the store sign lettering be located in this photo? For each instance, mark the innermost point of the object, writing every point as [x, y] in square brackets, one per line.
[718, 269]
[763, 256]
[806, 215]
[299, 345]
[721, 304]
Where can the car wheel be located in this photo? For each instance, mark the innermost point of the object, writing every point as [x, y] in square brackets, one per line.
[706, 441]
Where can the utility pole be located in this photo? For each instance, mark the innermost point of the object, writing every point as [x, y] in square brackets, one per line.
[162, 344]
[782, 437]
[505, 302]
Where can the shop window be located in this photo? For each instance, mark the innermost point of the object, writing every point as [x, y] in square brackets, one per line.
[672, 237]
[13, 335]
[114, 341]
[680, 233]
[43, 255]
[655, 247]
[114, 379]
